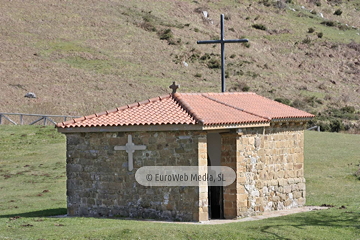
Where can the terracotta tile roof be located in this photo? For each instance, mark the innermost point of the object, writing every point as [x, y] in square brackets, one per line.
[192, 108]
[253, 104]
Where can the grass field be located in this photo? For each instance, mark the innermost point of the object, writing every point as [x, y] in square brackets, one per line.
[33, 188]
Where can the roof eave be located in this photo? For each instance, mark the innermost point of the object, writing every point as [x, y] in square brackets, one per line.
[292, 119]
[132, 128]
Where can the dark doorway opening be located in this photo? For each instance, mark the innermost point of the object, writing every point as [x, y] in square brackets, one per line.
[215, 194]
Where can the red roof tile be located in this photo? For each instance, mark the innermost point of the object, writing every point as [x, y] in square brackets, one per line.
[256, 104]
[192, 108]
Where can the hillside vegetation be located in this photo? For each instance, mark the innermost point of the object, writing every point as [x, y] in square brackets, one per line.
[81, 57]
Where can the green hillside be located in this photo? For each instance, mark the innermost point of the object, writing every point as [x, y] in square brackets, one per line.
[81, 57]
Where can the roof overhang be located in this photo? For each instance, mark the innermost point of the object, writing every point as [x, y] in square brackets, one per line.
[165, 127]
[298, 120]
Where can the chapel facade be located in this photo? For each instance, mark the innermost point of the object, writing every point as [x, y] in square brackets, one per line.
[260, 139]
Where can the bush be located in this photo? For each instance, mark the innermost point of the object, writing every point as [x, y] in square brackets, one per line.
[227, 17]
[198, 75]
[245, 88]
[354, 45]
[316, 2]
[147, 26]
[336, 125]
[166, 34]
[247, 45]
[338, 12]
[259, 26]
[283, 101]
[329, 23]
[311, 30]
[348, 109]
[357, 174]
[214, 63]
[240, 86]
[306, 40]
[266, 3]
[204, 57]
[320, 35]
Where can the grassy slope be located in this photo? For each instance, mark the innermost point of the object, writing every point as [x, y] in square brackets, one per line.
[81, 57]
[32, 160]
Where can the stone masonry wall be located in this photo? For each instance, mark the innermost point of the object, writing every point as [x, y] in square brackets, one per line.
[99, 183]
[270, 163]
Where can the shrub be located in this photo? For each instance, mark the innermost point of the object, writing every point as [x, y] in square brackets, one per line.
[266, 3]
[335, 2]
[204, 57]
[240, 86]
[312, 101]
[245, 88]
[297, 103]
[320, 35]
[316, 2]
[232, 55]
[344, 27]
[166, 34]
[336, 125]
[214, 63]
[259, 26]
[338, 12]
[198, 75]
[283, 101]
[307, 40]
[329, 23]
[348, 109]
[194, 57]
[354, 45]
[227, 17]
[324, 127]
[311, 30]
[357, 174]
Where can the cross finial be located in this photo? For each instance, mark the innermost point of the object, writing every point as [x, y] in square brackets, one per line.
[174, 87]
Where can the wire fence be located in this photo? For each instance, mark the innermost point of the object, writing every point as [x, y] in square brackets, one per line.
[32, 119]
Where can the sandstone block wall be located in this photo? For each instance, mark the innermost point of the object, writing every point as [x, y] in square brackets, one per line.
[270, 164]
[99, 183]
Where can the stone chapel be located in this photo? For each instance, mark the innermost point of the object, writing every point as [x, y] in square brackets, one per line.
[260, 139]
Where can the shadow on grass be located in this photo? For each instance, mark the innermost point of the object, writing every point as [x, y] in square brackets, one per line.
[41, 213]
[316, 219]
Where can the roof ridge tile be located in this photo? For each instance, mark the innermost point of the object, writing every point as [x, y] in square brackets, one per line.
[100, 114]
[239, 109]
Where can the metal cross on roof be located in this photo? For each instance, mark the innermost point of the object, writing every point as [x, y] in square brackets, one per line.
[222, 41]
[174, 87]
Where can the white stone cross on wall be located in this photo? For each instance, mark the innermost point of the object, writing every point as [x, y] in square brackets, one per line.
[130, 148]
